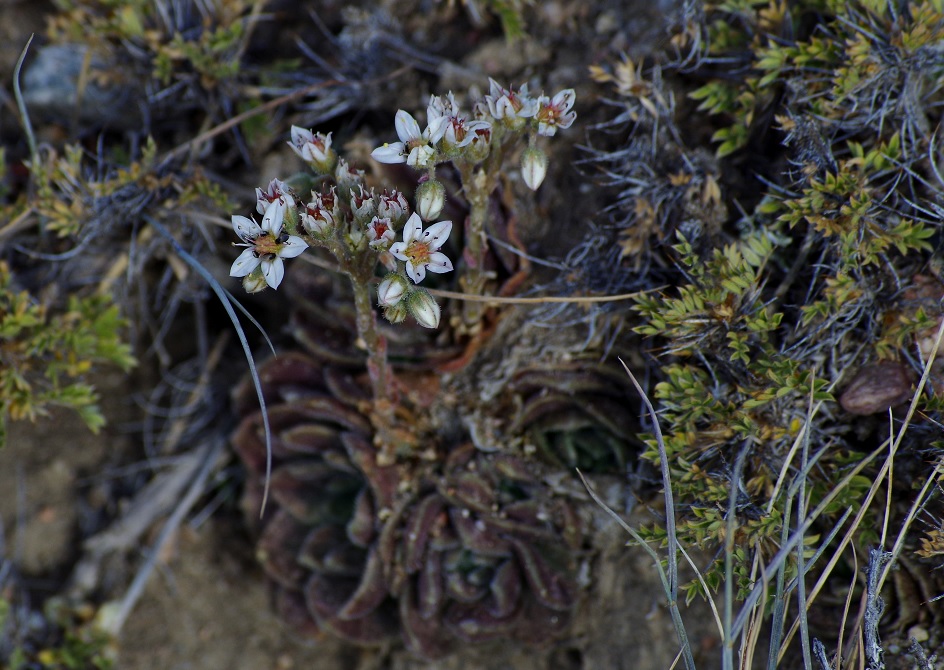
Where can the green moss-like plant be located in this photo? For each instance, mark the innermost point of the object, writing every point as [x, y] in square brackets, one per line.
[825, 140]
[45, 358]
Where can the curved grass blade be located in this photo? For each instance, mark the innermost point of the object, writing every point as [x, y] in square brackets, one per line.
[228, 301]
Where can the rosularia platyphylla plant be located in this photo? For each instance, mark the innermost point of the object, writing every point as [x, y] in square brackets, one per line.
[359, 226]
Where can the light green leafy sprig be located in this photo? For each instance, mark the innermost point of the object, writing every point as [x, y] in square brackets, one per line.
[45, 358]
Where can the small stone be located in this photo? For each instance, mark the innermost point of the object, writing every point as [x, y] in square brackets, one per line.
[918, 634]
[877, 387]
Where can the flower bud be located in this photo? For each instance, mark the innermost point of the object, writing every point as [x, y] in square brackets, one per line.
[393, 206]
[423, 307]
[317, 220]
[533, 167]
[430, 198]
[362, 203]
[391, 289]
[396, 313]
[255, 281]
[347, 178]
[315, 149]
[380, 233]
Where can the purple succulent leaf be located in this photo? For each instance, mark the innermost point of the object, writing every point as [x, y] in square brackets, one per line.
[371, 591]
[476, 535]
[384, 481]
[423, 637]
[344, 560]
[309, 438]
[429, 586]
[307, 489]
[277, 548]
[343, 386]
[360, 529]
[467, 575]
[318, 542]
[473, 623]
[326, 550]
[471, 489]
[513, 468]
[326, 596]
[549, 586]
[417, 531]
[333, 411]
[292, 370]
[505, 590]
[291, 608]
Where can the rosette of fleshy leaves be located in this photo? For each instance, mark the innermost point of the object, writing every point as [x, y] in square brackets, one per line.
[485, 553]
[476, 548]
[575, 414]
[316, 542]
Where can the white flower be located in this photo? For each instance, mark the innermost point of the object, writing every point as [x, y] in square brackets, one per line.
[456, 131]
[380, 233]
[554, 114]
[311, 147]
[420, 248]
[415, 148]
[276, 190]
[507, 104]
[266, 245]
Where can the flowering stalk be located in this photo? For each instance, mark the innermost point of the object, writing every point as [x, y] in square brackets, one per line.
[477, 146]
[479, 184]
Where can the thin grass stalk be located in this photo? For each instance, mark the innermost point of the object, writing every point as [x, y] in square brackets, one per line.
[784, 551]
[727, 640]
[670, 527]
[801, 546]
[228, 300]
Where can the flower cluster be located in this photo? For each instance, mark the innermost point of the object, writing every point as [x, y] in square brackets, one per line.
[354, 222]
[450, 136]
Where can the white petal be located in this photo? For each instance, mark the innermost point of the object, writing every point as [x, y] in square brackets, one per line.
[390, 153]
[565, 99]
[245, 263]
[293, 247]
[495, 89]
[397, 249]
[412, 229]
[504, 108]
[439, 263]
[300, 136]
[420, 156]
[408, 129]
[273, 270]
[417, 272]
[274, 214]
[436, 129]
[437, 234]
[247, 229]
[567, 120]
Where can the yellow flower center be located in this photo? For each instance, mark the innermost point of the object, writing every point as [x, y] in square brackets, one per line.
[418, 253]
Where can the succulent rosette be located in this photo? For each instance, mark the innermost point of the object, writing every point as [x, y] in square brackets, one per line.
[315, 541]
[486, 553]
[575, 414]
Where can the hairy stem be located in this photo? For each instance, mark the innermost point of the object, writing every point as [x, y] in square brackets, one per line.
[473, 279]
[379, 371]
